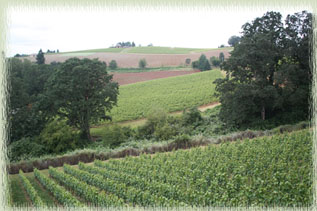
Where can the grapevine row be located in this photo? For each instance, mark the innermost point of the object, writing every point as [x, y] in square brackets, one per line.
[86, 191]
[172, 194]
[260, 171]
[62, 195]
[36, 200]
[130, 194]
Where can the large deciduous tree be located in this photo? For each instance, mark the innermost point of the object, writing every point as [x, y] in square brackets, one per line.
[268, 71]
[81, 91]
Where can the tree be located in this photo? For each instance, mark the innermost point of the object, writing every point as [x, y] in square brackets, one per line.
[40, 59]
[202, 63]
[221, 57]
[26, 81]
[187, 61]
[113, 65]
[233, 40]
[82, 92]
[142, 63]
[215, 61]
[266, 72]
[133, 44]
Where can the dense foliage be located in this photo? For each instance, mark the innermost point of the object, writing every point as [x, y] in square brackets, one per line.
[25, 148]
[26, 82]
[233, 40]
[58, 137]
[268, 72]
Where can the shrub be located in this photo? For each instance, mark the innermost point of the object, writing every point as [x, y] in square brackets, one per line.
[182, 139]
[158, 126]
[25, 147]
[215, 61]
[142, 63]
[58, 137]
[164, 132]
[115, 135]
[113, 65]
[202, 63]
[191, 117]
[187, 61]
[195, 64]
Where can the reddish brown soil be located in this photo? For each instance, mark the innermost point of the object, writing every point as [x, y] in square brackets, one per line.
[130, 78]
[125, 60]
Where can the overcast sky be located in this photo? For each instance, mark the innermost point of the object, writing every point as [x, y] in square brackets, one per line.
[69, 30]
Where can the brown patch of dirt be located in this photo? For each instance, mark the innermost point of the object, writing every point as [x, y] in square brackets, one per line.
[130, 78]
[125, 60]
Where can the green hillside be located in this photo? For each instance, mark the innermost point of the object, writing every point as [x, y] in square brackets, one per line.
[170, 94]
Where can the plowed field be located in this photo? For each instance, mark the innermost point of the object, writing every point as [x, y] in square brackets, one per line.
[131, 60]
[130, 78]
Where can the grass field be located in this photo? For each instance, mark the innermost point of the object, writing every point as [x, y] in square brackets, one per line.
[146, 50]
[170, 94]
[266, 171]
[165, 50]
[100, 50]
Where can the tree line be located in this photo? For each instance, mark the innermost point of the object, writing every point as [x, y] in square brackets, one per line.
[268, 74]
[59, 96]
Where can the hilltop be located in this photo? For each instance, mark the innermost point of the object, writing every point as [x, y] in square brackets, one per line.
[129, 57]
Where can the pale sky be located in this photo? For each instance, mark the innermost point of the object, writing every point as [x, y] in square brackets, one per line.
[70, 30]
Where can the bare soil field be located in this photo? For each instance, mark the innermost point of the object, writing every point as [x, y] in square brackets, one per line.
[130, 60]
[130, 78]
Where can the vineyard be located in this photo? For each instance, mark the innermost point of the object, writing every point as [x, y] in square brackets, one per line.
[170, 94]
[265, 171]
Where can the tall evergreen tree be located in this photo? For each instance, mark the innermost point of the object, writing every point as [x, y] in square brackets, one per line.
[40, 59]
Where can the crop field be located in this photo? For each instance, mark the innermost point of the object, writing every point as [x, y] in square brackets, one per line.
[148, 50]
[165, 50]
[266, 171]
[130, 78]
[154, 56]
[170, 94]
